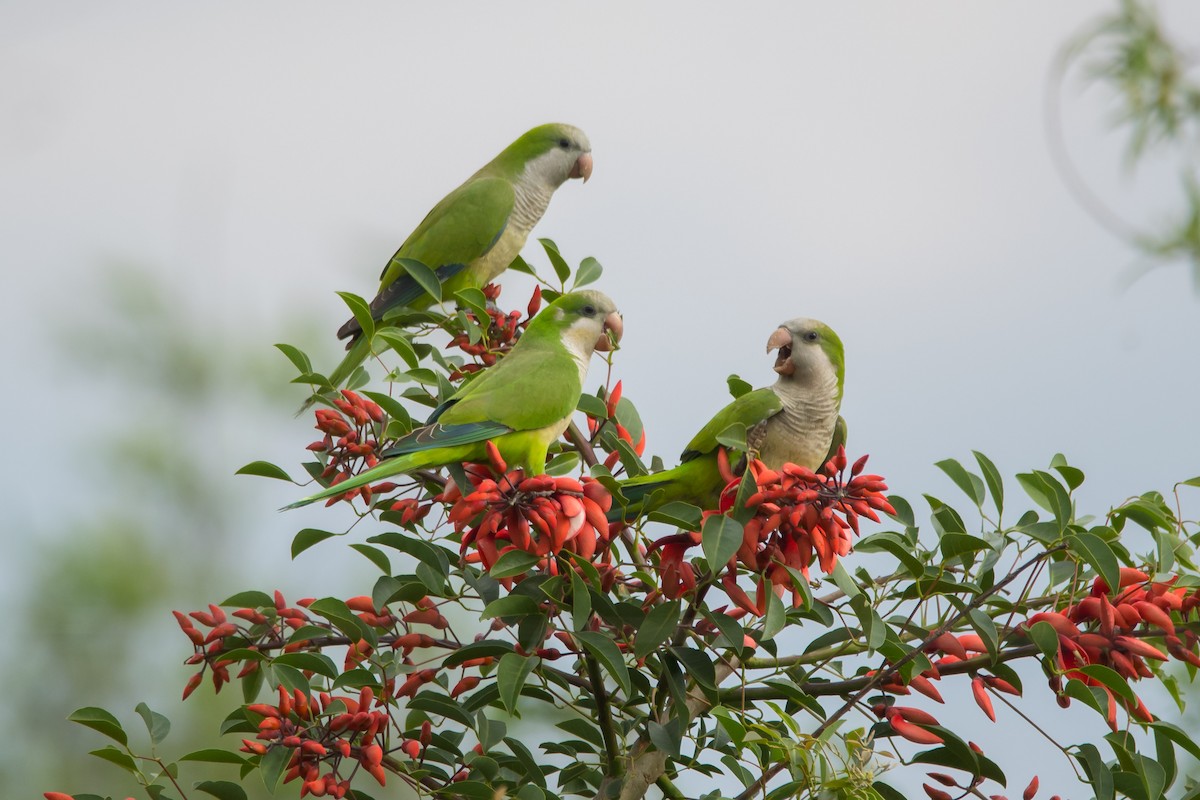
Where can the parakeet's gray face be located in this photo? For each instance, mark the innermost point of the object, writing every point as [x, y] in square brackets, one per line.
[800, 343]
[570, 156]
[592, 320]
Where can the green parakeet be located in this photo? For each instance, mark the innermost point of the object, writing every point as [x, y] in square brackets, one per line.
[795, 420]
[475, 232]
[522, 404]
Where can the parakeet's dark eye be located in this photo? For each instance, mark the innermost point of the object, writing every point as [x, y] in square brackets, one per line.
[811, 336]
[564, 143]
[588, 311]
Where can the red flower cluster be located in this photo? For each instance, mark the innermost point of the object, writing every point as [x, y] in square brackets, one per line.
[499, 335]
[254, 632]
[540, 514]
[350, 442]
[1112, 639]
[798, 514]
[340, 733]
[946, 780]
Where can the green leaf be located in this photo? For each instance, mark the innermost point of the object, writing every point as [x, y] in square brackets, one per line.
[513, 605]
[373, 555]
[213, 756]
[514, 562]
[468, 790]
[361, 311]
[985, 626]
[402, 347]
[660, 623]
[892, 543]
[605, 651]
[118, 757]
[521, 265]
[667, 738]
[697, 665]
[511, 675]
[157, 725]
[273, 765]
[296, 356]
[775, 619]
[440, 705]
[1184, 739]
[1095, 552]
[100, 721]
[991, 475]
[1111, 679]
[475, 300]
[1046, 638]
[565, 463]
[250, 599]
[677, 513]
[581, 602]
[224, 790]
[844, 581]
[264, 469]
[592, 406]
[421, 550]
[1099, 775]
[424, 276]
[956, 545]
[733, 437]
[480, 649]
[589, 271]
[307, 538]
[737, 386]
[721, 537]
[311, 662]
[1072, 475]
[533, 770]
[561, 269]
[970, 483]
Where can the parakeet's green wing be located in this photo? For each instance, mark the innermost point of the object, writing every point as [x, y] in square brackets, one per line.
[535, 389]
[839, 437]
[439, 435]
[462, 227]
[749, 409]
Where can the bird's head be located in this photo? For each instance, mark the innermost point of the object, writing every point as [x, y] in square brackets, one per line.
[555, 153]
[808, 349]
[586, 320]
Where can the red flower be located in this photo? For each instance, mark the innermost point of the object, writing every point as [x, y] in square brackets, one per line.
[541, 515]
[798, 515]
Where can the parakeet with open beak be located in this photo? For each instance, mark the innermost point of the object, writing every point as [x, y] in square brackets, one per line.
[475, 232]
[522, 404]
[795, 420]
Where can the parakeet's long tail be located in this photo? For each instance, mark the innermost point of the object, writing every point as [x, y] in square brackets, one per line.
[697, 482]
[384, 469]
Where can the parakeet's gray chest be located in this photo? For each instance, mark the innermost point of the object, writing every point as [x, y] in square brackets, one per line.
[801, 432]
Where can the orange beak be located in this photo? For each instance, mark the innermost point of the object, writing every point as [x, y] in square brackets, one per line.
[583, 167]
[613, 328]
[781, 340]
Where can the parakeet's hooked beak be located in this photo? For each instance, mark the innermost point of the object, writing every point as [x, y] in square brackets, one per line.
[583, 167]
[614, 326]
[781, 339]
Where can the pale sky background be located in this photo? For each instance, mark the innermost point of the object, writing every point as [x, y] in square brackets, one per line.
[882, 167]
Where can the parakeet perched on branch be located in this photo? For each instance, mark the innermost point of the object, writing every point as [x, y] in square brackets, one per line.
[795, 420]
[475, 232]
[522, 404]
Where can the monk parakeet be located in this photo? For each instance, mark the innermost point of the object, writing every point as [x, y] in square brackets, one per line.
[476, 231]
[795, 420]
[522, 404]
